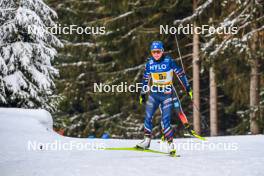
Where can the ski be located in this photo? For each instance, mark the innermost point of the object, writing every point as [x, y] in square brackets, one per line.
[141, 150]
[194, 134]
[198, 136]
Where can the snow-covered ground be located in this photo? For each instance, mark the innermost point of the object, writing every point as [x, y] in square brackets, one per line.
[22, 130]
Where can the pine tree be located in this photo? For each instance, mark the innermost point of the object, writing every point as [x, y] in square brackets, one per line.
[27, 50]
[118, 56]
[247, 16]
[231, 56]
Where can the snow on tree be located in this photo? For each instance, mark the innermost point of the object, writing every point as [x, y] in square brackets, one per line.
[27, 50]
[247, 17]
[243, 45]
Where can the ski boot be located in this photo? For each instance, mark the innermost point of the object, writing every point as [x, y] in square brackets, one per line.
[145, 144]
[171, 149]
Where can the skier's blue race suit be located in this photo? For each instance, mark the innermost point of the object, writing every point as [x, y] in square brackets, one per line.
[161, 94]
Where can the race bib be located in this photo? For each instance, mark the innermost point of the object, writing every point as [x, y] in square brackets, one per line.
[160, 76]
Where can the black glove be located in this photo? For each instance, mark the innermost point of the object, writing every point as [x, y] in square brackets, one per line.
[142, 98]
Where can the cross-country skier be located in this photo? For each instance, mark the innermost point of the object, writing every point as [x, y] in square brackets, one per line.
[160, 68]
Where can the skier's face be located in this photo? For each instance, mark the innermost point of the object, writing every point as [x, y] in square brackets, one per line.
[157, 54]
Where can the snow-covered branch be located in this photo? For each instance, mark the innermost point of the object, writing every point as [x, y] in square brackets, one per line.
[200, 10]
[27, 75]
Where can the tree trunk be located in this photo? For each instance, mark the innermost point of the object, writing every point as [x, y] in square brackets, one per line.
[254, 87]
[254, 97]
[213, 104]
[196, 79]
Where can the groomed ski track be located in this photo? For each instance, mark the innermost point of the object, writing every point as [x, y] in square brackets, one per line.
[236, 155]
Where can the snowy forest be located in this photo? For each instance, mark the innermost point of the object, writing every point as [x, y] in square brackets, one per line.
[57, 72]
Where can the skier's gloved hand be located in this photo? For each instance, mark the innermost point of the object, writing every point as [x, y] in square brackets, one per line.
[190, 94]
[187, 128]
[142, 98]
